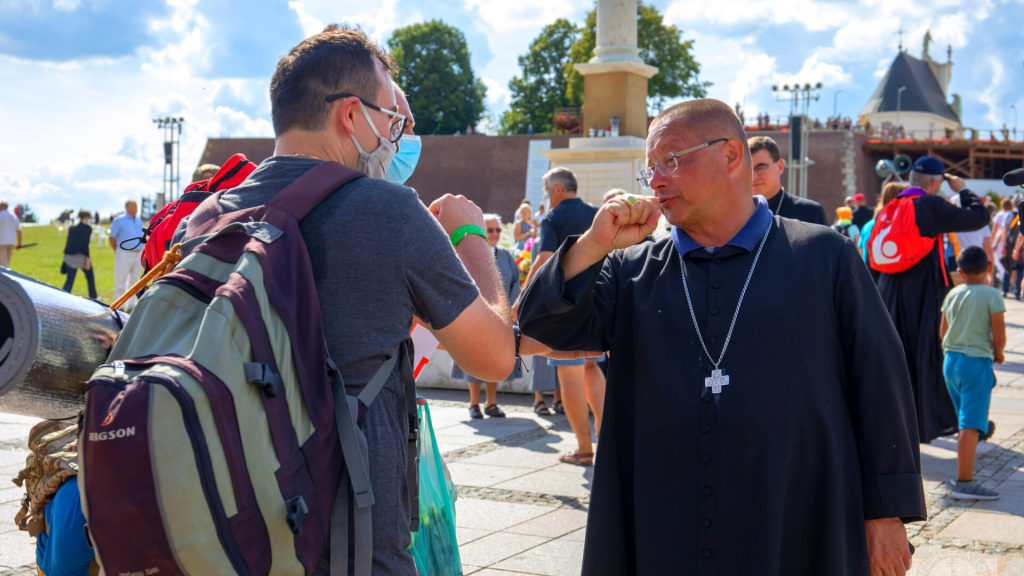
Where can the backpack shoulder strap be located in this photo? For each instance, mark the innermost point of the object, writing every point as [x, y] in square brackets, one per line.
[301, 196]
[206, 211]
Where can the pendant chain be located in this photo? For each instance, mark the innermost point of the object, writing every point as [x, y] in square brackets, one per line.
[311, 157]
[781, 200]
[735, 315]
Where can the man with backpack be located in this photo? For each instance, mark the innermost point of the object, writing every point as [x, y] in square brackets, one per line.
[906, 247]
[377, 257]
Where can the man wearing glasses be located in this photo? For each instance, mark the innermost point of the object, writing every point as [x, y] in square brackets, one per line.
[768, 167]
[379, 256]
[741, 435]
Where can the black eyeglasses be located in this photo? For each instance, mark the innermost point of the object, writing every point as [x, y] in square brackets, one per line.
[396, 124]
[494, 230]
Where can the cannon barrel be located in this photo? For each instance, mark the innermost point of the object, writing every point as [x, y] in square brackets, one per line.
[50, 343]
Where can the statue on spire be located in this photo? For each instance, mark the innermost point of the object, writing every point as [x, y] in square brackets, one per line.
[927, 41]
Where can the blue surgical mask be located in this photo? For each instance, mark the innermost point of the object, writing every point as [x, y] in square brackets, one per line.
[405, 160]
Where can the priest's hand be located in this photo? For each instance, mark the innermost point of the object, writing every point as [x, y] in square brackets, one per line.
[617, 225]
[888, 548]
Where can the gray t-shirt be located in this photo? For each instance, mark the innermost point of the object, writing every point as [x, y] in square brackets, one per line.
[378, 257]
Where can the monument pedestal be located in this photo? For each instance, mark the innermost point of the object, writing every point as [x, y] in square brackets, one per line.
[616, 90]
[601, 164]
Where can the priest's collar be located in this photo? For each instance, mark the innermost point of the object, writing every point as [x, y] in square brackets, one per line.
[747, 238]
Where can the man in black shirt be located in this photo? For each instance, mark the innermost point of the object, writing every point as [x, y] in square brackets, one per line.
[582, 382]
[861, 213]
[738, 440]
[768, 167]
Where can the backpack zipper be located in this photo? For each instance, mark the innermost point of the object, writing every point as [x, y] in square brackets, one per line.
[205, 467]
[187, 288]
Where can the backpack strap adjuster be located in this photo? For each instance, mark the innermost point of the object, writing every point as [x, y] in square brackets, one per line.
[297, 512]
[263, 376]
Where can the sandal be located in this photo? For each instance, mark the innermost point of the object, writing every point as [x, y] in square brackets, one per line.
[493, 411]
[559, 409]
[541, 408]
[574, 457]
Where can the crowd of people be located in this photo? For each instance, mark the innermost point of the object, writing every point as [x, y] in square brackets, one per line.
[721, 361]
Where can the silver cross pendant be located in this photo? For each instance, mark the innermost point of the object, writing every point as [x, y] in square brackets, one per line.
[716, 381]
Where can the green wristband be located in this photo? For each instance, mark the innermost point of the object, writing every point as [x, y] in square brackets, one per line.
[462, 231]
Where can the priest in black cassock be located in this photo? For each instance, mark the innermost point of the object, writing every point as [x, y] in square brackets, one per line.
[759, 418]
[768, 168]
[914, 297]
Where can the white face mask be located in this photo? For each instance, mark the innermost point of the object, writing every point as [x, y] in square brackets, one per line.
[374, 164]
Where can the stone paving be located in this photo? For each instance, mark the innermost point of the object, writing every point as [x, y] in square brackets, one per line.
[521, 512]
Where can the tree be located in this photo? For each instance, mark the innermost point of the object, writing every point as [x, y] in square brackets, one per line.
[542, 85]
[660, 46]
[435, 73]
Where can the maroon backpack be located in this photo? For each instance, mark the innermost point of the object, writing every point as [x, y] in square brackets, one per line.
[219, 438]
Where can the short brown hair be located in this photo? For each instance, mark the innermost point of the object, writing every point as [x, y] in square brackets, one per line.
[84, 214]
[758, 143]
[339, 59]
[1007, 204]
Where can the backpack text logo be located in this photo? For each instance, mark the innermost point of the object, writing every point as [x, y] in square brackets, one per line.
[119, 433]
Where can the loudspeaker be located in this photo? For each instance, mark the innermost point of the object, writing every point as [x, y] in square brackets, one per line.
[796, 137]
[903, 163]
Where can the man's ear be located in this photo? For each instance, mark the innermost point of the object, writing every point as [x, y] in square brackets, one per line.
[782, 165]
[344, 113]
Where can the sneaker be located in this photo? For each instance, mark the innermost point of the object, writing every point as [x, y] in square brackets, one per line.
[991, 430]
[474, 412]
[973, 491]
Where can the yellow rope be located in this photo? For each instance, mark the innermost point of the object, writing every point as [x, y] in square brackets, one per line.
[170, 260]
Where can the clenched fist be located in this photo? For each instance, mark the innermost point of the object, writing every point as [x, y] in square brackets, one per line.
[454, 212]
[617, 225]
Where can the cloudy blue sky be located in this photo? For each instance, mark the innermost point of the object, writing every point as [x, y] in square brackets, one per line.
[81, 80]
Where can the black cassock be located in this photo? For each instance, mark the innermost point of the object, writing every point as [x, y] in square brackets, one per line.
[914, 299]
[814, 433]
[797, 208]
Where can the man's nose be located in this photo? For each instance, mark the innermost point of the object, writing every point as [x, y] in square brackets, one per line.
[659, 181]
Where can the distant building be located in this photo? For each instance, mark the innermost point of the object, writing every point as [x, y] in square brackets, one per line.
[923, 108]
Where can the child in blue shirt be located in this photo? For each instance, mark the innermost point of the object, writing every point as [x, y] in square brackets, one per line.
[973, 331]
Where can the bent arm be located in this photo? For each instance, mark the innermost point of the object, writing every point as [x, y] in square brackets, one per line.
[950, 218]
[519, 234]
[113, 242]
[570, 314]
[480, 338]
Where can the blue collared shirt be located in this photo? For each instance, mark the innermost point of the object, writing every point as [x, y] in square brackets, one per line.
[126, 227]
[747, 238]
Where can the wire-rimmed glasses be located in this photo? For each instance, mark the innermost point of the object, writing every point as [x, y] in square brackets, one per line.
[396, 124]
[668, 163]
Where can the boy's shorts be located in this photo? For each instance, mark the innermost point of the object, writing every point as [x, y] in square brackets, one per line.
[576, 362]
[970, 381]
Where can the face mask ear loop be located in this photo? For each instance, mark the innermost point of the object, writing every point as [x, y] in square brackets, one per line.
[372, 125]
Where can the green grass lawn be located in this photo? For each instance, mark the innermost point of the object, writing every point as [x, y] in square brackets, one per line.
[43, 261]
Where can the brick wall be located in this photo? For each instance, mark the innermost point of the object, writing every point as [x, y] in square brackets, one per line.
[489, 170]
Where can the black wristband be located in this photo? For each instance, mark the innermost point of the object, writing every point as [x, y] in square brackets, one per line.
[518, 335]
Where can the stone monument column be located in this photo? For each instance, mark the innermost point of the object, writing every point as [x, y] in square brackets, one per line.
[615, 79]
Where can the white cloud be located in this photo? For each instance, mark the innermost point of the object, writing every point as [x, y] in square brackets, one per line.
[497, 94]
[310, 24]
[502, 15]
[991, 96]
[812, 15]
[66, 5]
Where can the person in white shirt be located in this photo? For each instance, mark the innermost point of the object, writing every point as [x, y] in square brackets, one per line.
[982, 238]
[127, 252]
[1000, 232]
[10, 235]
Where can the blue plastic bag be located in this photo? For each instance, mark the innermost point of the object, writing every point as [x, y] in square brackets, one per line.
[435, 547]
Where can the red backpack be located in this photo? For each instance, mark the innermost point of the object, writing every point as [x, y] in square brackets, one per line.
[896, 244]
[164, 223]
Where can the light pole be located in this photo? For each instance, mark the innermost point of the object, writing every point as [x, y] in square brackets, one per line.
[899, 103]
[1014, 106]
[835, 103]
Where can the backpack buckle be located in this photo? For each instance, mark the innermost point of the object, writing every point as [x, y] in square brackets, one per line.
[297, 512]
[261, 375]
